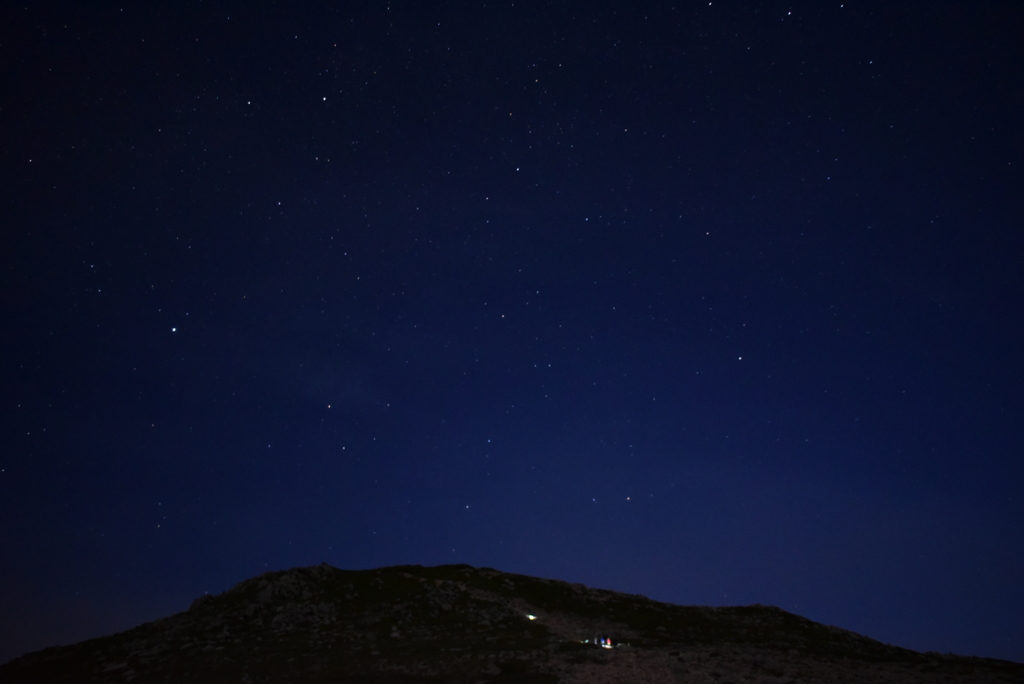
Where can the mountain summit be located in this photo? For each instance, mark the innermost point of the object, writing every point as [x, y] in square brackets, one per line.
[465, 625]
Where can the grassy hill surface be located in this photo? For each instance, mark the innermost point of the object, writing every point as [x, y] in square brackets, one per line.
[460, 624]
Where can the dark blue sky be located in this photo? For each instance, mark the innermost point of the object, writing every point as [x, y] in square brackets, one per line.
[718, 303]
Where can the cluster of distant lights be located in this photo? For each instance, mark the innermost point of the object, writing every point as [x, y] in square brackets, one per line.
[603, 642]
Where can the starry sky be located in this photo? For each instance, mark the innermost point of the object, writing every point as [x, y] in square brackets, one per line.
[717, 303]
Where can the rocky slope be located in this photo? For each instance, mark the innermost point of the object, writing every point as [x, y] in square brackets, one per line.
[460, 624]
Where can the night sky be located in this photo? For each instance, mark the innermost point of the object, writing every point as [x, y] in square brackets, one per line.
[719, 303]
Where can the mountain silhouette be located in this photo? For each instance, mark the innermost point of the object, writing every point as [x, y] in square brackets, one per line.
[463, 625]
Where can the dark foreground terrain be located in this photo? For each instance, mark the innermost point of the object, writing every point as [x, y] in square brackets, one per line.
[460, 624]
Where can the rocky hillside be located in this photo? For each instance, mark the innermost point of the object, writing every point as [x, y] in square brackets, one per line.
[461, 624]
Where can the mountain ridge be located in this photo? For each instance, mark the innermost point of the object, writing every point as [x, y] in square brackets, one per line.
[458, 623]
